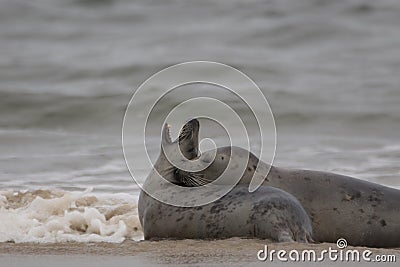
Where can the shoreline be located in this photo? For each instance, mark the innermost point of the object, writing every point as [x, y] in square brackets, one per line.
[167, 252]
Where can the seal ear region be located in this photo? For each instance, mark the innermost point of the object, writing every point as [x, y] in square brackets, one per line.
[166, 135]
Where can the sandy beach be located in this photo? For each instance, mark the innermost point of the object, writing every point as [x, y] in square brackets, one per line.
[229, 252]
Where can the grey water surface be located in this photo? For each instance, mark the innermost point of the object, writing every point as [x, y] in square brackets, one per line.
[329, 69]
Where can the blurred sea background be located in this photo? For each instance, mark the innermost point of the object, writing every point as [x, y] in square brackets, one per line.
[68, 68]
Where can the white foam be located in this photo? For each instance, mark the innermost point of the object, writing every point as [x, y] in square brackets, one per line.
[59, 216]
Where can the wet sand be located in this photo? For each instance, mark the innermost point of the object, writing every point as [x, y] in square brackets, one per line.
[230, 252]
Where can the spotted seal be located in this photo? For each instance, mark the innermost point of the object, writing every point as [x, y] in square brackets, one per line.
[267, 213]
[362, 212]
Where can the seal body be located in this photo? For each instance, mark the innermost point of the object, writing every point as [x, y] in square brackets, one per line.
[267, 213]
[364, 213]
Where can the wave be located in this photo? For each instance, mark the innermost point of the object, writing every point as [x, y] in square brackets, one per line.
[352, 118]
[52, 216]
[105, 112]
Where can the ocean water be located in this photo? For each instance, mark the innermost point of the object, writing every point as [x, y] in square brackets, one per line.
[329, 69]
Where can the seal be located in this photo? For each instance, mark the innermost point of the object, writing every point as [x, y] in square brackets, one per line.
[362, 212]
[267, 213]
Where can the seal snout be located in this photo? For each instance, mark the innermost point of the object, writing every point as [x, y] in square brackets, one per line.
[189, 139]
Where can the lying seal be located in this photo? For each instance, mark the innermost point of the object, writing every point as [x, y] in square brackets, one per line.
[268, 213]
[364, 213]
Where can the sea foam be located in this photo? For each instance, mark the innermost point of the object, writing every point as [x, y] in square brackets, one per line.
[49, 216]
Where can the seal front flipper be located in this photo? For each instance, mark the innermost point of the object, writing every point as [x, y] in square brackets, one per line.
[285, 236]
